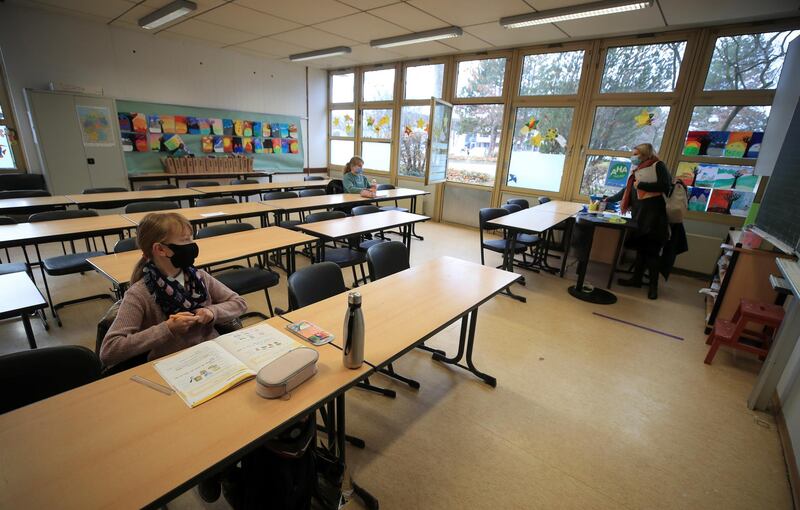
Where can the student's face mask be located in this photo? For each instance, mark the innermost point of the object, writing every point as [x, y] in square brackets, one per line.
[358, 170]
[635, 160]
[183, 255]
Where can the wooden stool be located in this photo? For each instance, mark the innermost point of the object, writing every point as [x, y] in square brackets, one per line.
[730, 332]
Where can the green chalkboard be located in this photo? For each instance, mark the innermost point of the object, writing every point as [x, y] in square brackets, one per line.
[144, 162]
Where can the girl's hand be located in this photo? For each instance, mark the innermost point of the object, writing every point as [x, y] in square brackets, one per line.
[180, 323]
[204, 315]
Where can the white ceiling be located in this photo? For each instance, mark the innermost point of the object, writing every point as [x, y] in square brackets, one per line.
[277, 28]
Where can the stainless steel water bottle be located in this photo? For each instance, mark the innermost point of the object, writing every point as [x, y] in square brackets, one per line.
[353, 332]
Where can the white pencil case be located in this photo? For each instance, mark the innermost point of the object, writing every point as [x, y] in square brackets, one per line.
[286, 373]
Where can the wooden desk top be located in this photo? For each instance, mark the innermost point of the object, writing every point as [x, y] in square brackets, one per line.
[318, 202]
[21, 203]
[530, 220]
[29, 233]
[211, 212]
[213, 250]
[352, 225]
[404, 308]
[165, 175]
[261, 186]
[560, 206]
[399, 193]
[17, 293]
[133, 196]
[116, 443]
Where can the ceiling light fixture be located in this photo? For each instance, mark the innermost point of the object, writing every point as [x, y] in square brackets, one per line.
[327, 52]
[417, 37]
[169, 12]
[574, 12]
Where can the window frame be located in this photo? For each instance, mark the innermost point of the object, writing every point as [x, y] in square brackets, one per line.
[342, 106]
[9, 122]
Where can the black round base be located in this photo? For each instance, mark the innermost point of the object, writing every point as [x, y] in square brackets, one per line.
[596, 296]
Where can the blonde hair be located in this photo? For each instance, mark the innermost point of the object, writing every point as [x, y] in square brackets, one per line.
[646, 151]
[355, 160]
[156, 228]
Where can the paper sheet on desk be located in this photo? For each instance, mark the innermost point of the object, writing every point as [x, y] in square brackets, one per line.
[212, 214]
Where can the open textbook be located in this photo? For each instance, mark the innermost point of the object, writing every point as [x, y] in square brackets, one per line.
[206, 370]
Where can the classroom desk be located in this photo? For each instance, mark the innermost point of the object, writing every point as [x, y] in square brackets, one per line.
[199, 215]
[232, 189]
[213, 250]
[19, 296]
[560, 206]
[403, 310]
[116, 443]
[120, 198]
[285, 206]
[23, 234]
[366, 223]
[20, 205]
[164, 176]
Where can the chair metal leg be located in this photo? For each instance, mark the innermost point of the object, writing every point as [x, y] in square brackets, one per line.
[389, 372]
[269, 303]
[355, 277]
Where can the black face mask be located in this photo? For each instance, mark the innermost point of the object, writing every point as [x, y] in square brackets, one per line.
[183, 255]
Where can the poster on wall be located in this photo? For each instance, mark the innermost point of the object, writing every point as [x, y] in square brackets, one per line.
[618, 170]
[95, 122]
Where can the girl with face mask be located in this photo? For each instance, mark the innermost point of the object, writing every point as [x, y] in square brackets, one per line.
[170, 304]
[354, 179]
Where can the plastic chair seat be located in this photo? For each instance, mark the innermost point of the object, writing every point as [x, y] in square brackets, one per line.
[344, 257]
[528, 239]
[247, 280]
[499, 245]
[70, 264]
[366, 245]
[290, 224]
[13, 267]
[394, 208]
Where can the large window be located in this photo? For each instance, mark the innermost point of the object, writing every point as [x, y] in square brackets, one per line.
[646, 68]
[749, 61]
[7, 132]
[481, 78]
[539, 148]
[342, 88]
[342, 119]
[424, 81]
[413, 140]
[343, 123]
[378, 85]
[474, 143]
[551, 73]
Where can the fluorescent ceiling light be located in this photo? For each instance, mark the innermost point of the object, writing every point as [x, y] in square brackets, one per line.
[417, 37]
[327, 52]
[574, 12]
[169, 12]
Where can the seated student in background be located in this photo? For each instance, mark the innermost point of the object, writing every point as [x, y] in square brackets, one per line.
[170, 304]
[354, 179]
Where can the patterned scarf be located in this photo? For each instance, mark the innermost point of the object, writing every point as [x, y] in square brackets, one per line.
[171, 296]
[625, 204]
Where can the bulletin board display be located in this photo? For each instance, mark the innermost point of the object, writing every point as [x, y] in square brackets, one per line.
[151, 131]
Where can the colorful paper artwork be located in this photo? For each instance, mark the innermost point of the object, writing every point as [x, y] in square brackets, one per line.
[247, 143]
[154, 141]
[95, 123]
[294, 146]
[617, 175]
[726, 175]
[216, 126]
[127, 143]
[706, 176]
[153, 123]
[139, 122]
[698, 198]
[168, 124]
[717, 142]
[180, 125]
[266, 131]
[204, 126]
[738, 142]
[741, 203]
[238, 127]
[256, 129]
[219, 145]
[140, 142]
[192, 125]
[293, 127]
[258, 145]
[227, 143]
[720, 201]
[267, 145]
[755, 145]
[685, 172]
[172, 142]
[696, 143]
[248, 128]
[645, 118]
[207, 144]
[285, 147]
[124, 122]
[227, 127]
[277, 148]
[238, 148]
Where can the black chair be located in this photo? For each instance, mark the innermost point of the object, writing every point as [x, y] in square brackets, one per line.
[334, 187]
[316, 192]
[519, 201]
[127, 244]
[342, 257]
[386, 259]
[30, 376]
[529, 240]
[204, 202]
[313, 178]
[155, 205]
[543, 200]
[22, 182]
[151, 187]
[243, 280]
[315, 283]
[394, 207]
[201, 184]
[511, 208]
[496, 245]
[113, 189]
[380, 237]
[245, 194]
[24, 193]
[72, 263]
[280, 195]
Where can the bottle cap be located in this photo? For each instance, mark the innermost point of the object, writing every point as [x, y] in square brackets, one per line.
[354, 298]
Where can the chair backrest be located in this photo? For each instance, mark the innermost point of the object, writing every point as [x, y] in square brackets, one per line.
[488, 214]
[202, 202]
[225, 228]
[334, 187]
[384, 259]
[325, 215]
[313, 178]
[382, 187]
[149, 187]
[24, 193]
[315, 283]
[511, 208]
[151, 206]
[127, 244]
[7, 220]
[277, 195]
[519, 201]
[316, 192]
[243, 181]
[22, 182]
[29, 376]
[113, 189]
[62, 215]
[543, 200]
[197, 184]
[365, 209]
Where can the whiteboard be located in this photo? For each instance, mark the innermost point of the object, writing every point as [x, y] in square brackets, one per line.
[438, 141]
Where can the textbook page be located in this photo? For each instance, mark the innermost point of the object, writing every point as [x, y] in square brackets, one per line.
[202, 372]
[257, 346]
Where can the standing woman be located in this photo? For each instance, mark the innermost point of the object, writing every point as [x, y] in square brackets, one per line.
[354, 179]
[644, 195]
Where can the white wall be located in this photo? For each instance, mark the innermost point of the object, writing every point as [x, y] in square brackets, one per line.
[39, 46]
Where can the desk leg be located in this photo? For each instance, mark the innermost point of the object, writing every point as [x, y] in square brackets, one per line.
[341, 438]
[290, 262]
[467, 343]
[508, 265]
[567, 244]
[26, 323]
[617, 252]
[413, 227]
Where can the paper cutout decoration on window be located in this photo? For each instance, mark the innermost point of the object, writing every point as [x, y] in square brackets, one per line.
[140, 142]
[247, 130]
[154, 123]
[204, 126]
[698, 198]
[238, 148]
[292, 130]
[216, 126]
[238, 128]
[172, 142]
[139, 121]
[617, 175]
[256, 128]
[258, 145]
[738, 141]
[219, 144]
[524, 130]
[696, 143]
[247, 144]
[267, 145]
[755, 145]
[180, 125]
[127, 143]
[227, 143]
[536, 139]
[644, 119]
[168, 124]
[124, 120]
[685, 172]
[207, 143]
[227, 127]
[192, 125]
[154, 141]
[717, 142]
[277, 148]
[294, 146]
